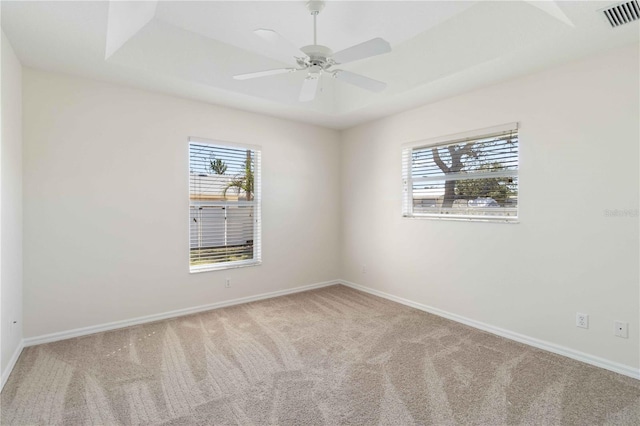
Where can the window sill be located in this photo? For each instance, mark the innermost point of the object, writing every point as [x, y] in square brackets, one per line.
[223, 266]
[464, 218]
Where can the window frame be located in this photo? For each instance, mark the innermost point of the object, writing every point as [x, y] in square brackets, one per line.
[257, 200]
[407, 149]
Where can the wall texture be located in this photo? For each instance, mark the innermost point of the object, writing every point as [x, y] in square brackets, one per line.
[10, 206]
[106, 203]
[579, 149]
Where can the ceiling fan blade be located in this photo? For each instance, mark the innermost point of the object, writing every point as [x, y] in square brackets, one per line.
[373, 47]
[283, 48]
[263, 73]
[360, 80]
[309, 88]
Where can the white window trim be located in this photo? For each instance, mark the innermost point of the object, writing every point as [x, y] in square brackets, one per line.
[223, 143]
[407, 180]
[461, 137]
[257, 197]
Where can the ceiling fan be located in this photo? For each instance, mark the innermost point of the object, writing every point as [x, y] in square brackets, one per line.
[318, 59]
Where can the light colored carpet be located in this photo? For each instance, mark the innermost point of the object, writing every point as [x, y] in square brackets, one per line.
[330, 356]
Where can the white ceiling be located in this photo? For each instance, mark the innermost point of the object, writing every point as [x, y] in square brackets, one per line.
[192, 49]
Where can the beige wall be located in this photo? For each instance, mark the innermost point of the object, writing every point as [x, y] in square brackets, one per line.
[106, 203]
[10, 206]
[579, 148]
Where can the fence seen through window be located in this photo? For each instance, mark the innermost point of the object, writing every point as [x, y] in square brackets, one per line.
[224, 206]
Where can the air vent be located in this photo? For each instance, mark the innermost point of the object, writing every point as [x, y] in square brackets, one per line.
[622, 13]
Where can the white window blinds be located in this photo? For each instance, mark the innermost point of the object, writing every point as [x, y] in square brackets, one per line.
[224, 205]
[472, 177]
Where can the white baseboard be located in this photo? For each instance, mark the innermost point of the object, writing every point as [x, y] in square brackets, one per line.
[12, 363]
[77, 332]
[531, 341]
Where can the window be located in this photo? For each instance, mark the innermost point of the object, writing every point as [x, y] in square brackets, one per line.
[471, 176]
[224, 205]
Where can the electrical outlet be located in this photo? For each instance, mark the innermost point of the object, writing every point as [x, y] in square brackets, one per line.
[621, 329]
[227, 282]
[582, 320]
[364, 269]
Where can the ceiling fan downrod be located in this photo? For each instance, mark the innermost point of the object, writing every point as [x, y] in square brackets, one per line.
[317, 55]
[315, 7]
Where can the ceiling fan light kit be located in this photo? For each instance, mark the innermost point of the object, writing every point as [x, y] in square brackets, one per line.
[318, 59]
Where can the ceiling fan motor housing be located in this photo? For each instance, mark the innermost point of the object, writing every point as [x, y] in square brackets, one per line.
[318, 56]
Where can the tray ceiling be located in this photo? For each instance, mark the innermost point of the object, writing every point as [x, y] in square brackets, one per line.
[192, 49]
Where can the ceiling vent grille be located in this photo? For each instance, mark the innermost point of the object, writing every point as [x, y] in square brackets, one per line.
[622, 13]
